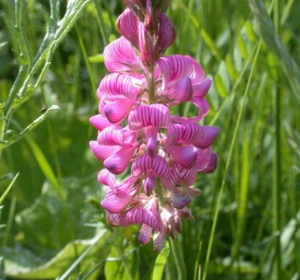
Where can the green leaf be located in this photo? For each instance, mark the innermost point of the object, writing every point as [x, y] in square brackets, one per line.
[85, 252]
[8, 188]
[160, 263]
[13, 136]
[50, 223]
[274, 43]
[99, 58]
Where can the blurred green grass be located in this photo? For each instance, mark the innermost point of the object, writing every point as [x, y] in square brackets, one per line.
[257, 183]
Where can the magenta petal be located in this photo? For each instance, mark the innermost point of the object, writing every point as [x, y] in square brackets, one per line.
[111, 136]
[156, 164]
[116, 85]
[159, 239]
[106, 178]
[212, 164]
[141, 216]
[102, 152]
[200, 90]
[203, 159]
[160, 116]
[119, 56]
[180, 201]
[118, 162]
[139, 117]
[161, 167]
[99, 122]
[208, 136]
[145, 234]
[145, 46]
[118, 110]
[151, 139]
[149, 184]
[166, 34]
[185, 155]
[127, 24]
[114, 203]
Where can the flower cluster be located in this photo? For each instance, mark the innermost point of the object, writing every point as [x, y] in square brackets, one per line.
[136, 130]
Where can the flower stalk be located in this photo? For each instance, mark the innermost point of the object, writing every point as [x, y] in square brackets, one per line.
[137, 133]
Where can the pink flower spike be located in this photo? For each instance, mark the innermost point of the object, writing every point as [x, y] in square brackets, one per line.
[118, 162]
[119, 56]
[117, 111]
[102, 152]
[145, 234]
[145, 47]
[127, 25]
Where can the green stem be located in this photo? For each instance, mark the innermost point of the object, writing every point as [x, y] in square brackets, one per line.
[276, 187]
[178, 257]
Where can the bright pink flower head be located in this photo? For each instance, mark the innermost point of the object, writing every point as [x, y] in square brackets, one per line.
[137, 133]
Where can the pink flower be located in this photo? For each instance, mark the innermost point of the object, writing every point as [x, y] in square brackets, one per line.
[138, 133]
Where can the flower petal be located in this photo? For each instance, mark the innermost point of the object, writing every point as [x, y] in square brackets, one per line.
[200, 89]
[185, 155]
[209, 133]
[118, 111]
[111, 136]
[106, 178]
[151, 139]
[145, 234]
[212, 164]
[149, 115]
[119, 56]
[203, 159]
[100, 122]
[118, 162]
[127, 25]
[102, 152]
[166, 34]
[116, 84]
[115, 203]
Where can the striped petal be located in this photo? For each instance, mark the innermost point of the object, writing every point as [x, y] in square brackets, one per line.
[119, 56]
[100, 122]
[145, 163]
[201, 89]
[114, 203]
[111, 136]
[145, 234]
[116, 84]
[180, 200]
[118, 111]
[149, 184]
[149, 115]
[106, 178]
[212, 164]
[166, 34]
[185, 155]
[103, 152]
[127, 25]
[118, 162]
[151, 139]
[209, 133]
[145, 46]
[203, 159]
